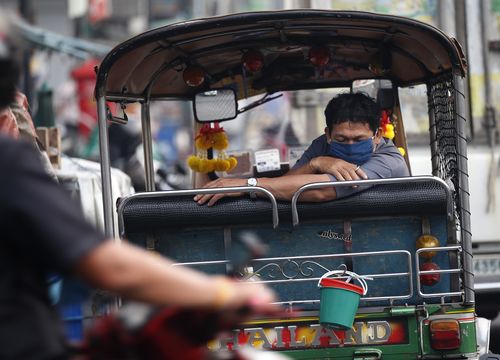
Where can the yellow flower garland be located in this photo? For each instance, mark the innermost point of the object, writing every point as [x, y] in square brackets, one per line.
[206, 139]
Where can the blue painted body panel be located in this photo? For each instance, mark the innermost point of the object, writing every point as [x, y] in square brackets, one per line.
[368, 235]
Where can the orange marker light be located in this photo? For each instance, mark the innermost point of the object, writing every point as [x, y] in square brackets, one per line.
[427, 241]
[445, 334]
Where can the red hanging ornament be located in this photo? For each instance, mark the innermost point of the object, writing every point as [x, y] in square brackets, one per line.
[319, 55]
[193, 76]
[252, 60]
[429, 279]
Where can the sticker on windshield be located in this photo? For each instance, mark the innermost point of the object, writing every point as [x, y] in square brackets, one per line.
[267, 160]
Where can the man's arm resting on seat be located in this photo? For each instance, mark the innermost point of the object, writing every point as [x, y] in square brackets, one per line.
[342, 170]
[282, 188]
[307, 168]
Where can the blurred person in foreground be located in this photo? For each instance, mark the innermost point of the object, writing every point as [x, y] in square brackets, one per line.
[43, 232]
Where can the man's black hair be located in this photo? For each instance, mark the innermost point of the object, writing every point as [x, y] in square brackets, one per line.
[356, 107]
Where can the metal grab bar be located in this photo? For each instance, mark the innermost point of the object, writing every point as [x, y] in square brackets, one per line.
[272, 262]
[410, 179]
[456, 248]
[222, 190]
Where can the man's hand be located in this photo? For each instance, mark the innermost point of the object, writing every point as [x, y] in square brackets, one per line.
[221, 182]
[339, 168]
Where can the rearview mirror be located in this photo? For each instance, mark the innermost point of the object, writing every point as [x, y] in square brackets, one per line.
[215, 105]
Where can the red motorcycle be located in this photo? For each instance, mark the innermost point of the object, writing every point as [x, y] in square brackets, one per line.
[139, 331]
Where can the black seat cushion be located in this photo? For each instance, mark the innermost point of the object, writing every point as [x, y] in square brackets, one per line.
[152, 214]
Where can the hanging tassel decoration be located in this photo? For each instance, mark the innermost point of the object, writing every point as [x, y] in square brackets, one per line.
[387, 126]
[211, 138]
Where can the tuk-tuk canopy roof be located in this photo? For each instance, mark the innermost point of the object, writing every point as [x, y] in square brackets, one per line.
[359, 45]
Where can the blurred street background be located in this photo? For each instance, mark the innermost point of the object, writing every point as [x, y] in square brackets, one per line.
[64, 40]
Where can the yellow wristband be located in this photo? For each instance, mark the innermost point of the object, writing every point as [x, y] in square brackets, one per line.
[223, 292]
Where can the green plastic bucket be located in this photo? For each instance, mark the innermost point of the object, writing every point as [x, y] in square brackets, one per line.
[339, 300]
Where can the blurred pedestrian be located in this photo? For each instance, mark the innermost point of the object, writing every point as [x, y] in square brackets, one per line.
[15, 117]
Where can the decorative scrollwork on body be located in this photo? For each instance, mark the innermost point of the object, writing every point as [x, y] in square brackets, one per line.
[308, 271]
[290, 269]
[271, 268]
[293, 269]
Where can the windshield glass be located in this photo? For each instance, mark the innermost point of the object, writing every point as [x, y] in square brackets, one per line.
[289, 122]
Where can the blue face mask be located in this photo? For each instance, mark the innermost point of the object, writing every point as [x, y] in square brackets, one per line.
[357, 153]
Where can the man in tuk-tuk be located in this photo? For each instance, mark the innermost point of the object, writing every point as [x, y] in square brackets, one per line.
[352, 148]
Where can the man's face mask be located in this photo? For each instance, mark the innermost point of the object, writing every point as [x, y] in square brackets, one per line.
[356, 153]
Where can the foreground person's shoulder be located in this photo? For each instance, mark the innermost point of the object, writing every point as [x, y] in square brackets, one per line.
[8, 144]
[15, 154]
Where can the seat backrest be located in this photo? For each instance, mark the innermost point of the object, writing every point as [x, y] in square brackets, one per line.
[154, 213]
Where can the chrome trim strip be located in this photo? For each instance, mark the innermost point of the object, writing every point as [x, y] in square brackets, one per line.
[147, 147]
[107, 193]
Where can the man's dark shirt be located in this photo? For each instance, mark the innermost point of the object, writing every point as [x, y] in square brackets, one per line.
[41, 231]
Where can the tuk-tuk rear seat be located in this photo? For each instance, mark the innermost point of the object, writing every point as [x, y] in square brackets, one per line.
[162, 212]
[384, 217]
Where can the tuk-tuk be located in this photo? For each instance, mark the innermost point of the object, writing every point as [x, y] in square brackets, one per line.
[411, 310]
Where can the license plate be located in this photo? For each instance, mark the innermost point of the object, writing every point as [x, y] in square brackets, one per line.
[296, 335]
[486, 265]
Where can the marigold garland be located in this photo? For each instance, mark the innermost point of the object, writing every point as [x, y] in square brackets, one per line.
[216, 138]
[388, 129]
